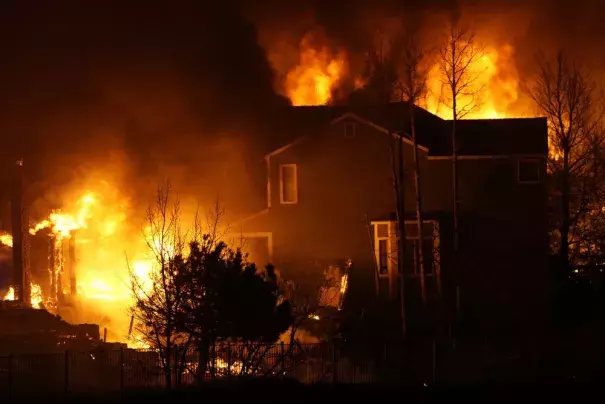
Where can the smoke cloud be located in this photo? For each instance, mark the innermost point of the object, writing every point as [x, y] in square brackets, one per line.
[144, 91]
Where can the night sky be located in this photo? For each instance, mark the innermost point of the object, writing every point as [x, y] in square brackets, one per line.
[80, 77]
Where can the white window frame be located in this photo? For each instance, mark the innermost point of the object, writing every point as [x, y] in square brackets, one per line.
[262, 234]
[392, 244]
[388, 238]
[233, 237]
[433, 236]
[534, 160]
[281, 184]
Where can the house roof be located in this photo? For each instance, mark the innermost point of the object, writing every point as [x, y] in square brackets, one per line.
[475, 137]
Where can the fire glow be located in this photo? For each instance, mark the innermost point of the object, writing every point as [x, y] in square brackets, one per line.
[318, 73]
[107, 246]
[493, 88]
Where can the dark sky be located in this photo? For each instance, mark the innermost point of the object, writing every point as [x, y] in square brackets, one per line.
[75, 72]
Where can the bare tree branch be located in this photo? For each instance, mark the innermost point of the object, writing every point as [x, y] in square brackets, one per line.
[566, 94]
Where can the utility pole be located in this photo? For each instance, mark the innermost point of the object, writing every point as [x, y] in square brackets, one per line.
[18, 219]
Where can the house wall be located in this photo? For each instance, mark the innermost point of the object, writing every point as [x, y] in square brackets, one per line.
[341, 180]
[503, 233]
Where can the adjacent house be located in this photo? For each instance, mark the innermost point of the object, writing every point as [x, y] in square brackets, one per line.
[330, 198]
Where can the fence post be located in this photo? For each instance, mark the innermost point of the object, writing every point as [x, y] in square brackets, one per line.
[121, 369]
[228, 358]
[213, 370]
[66, 371]
[283, 360]
[434, 362]
[10, 378]
[177, 370]
[334, 364]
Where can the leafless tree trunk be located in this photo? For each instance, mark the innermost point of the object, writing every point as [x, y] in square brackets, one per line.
[567, 95]
[157, 295]
[398, 187]
[383, 68]
[456, 58]
[412, 84]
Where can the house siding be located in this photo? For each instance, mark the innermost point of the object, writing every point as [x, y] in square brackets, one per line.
[503, 227]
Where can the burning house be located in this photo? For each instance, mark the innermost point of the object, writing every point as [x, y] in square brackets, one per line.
[43, 287]
[330, 197]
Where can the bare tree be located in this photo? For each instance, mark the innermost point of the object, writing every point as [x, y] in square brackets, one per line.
[457, 58]
[567, 95]
[412, 84]
[158, 294]
[383, 82]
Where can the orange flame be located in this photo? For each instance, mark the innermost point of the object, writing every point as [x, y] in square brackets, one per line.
[36, 295]
[6, 239]
[317, 75]
[491, 91]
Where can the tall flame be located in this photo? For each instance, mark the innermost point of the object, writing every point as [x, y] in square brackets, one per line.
[317, 75]
[490, 92]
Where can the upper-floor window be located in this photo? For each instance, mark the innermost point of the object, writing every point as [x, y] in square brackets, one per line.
[350, 129]
[529, 170]
[288, 183]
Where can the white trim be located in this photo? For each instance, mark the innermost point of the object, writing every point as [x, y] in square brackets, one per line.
[528, 159]
[263, 234]
[286, 147]
[377, 248]
[252, 216]
[281, 184]
[339, 119]
[487, 156]
[268, 167]
[392, 269]
[377, 127]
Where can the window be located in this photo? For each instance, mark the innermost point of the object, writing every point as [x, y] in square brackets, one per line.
[529, 171]
[288, 183]
[386, 248]
[382, 248]
[411, 249]
[383, 257]
[349, 129]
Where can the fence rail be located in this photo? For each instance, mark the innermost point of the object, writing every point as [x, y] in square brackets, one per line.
[416, 363]
[116, 370]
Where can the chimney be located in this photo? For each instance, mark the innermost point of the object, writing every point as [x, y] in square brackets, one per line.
[18, 216]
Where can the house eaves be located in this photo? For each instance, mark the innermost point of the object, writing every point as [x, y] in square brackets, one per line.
[348, 115]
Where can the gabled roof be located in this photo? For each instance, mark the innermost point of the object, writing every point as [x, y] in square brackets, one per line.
[475, 137]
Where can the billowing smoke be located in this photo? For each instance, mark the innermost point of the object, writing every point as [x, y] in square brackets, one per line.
[141, 93]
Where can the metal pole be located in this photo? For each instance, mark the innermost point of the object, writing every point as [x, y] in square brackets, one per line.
[228, 358]
[434, 361]
[17, 230]
[334, 364]
[66, 371]
[283, 360]
[10, 378]
[121, 369]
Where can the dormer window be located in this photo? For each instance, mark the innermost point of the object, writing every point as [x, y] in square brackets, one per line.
[288, 184]
[528, 170]
[349, 128]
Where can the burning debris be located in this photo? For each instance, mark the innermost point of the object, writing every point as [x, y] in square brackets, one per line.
[86, 270]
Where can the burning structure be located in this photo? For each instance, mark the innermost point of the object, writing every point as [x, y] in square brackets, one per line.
[27, 319]
[337, 174]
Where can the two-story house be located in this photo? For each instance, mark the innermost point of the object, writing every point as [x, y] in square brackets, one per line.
[330, 197]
